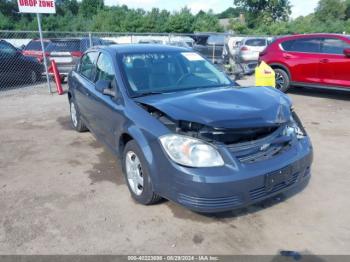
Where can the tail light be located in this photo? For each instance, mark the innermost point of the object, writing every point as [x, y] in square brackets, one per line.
[76, 53]
[244, 48]
[41, 58]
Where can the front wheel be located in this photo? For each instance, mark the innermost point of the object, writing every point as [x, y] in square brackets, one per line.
[282, 80]
[137, 176]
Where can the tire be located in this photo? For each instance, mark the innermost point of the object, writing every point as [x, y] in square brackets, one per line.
[76, 121]
[282, 80]
[136, 174]
[32, 76]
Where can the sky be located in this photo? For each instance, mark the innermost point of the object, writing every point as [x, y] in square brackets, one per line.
[300, 7]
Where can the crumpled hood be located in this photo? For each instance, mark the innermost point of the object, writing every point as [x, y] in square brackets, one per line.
[225, 107]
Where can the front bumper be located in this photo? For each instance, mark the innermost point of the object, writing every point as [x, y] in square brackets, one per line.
[236, 184]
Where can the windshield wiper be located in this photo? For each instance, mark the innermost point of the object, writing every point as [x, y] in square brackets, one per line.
[148, 94]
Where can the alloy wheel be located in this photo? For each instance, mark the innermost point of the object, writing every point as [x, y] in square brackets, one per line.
[134, 173]
[280, 81]
[73, 114]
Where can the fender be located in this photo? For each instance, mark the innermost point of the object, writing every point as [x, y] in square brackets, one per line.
[283, 67]
[148, 154]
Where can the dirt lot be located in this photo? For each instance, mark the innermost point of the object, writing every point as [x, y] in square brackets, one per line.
[63, 193]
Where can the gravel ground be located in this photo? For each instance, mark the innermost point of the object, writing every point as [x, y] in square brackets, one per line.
[61, 192]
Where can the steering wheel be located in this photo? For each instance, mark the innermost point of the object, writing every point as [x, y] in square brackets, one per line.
[182, 78]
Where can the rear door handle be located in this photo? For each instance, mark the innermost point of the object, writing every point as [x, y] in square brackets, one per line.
[287, 56]
[324, 61]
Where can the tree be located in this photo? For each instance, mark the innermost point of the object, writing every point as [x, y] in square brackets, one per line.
[230, 12]
[328, 10]
[206, 22]
[264, 11]
[91, 7]
[180, 22]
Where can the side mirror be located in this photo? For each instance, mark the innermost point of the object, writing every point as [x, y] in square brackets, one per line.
[347, 52]
[105, 87]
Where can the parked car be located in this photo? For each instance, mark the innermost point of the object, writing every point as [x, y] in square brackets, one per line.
[184, 131]
[313, 60]
[210, 46]
[249, 50]
[16, 68]
[67, 52]
[179, 44]
[34, 49]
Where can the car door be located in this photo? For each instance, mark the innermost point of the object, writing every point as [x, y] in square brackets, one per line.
[334, 65]
[84, 87]
[302, 56]
[107, 108]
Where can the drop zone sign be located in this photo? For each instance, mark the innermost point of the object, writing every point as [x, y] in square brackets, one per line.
[37, 6]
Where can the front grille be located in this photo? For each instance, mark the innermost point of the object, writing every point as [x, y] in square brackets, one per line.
[261, 192]
[220, 202]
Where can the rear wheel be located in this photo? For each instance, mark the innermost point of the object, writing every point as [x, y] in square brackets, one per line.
[137, 176]
[282, 80]
[77, 123]
[32, 77]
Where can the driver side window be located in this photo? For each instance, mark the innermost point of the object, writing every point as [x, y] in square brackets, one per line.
[104, 68]
[87, 65]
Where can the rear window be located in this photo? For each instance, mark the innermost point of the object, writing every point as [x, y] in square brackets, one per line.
[36, 45]
[256, 42]
[306, 45]
[64, 46]
[216, 39]
[288, 45]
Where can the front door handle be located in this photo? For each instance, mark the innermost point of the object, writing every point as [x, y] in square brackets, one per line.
[324, 61]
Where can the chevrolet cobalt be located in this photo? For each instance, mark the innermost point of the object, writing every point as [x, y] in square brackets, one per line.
[184, 131]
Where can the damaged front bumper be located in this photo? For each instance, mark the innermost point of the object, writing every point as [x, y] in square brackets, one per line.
[238, 183]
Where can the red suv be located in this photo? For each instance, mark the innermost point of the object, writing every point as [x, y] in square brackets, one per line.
[313, 60]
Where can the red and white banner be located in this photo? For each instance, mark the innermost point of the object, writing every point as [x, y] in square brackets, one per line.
[37, 6]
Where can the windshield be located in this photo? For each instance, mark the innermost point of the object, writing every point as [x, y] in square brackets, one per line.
[170, 72]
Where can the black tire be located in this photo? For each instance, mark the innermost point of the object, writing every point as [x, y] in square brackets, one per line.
[147, 196]
[32, 76]
[77, 123]
[282, 80]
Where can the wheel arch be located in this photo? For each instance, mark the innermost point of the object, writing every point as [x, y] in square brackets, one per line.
[283, 67]
[135, 134]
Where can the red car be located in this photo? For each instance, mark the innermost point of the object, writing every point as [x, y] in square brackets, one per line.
[33, 49]
[313, 60]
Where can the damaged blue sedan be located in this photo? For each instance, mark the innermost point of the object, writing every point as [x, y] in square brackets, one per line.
[184, 131]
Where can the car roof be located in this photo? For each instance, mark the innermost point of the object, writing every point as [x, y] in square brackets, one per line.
[297, 36]
[140, 48]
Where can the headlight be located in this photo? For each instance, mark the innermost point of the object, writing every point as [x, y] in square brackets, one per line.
[300, 131]
[191, 152]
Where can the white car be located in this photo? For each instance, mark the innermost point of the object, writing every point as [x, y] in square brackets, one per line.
[250, 49]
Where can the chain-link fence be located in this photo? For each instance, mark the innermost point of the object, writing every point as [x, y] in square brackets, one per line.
[22, 59]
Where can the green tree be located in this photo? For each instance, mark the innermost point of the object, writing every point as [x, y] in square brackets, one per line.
[264, 11]
[89, 8]
[328, 10]
[180, 22]
[206, 22]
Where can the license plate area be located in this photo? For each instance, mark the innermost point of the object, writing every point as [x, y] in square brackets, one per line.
[283, 175]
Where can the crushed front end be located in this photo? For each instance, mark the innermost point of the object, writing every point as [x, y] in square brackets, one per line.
[258, 162]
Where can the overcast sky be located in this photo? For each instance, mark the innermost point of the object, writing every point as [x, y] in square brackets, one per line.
[300, 7]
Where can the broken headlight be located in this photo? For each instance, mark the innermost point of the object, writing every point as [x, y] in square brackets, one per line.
[190, 152]
[296, 127]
